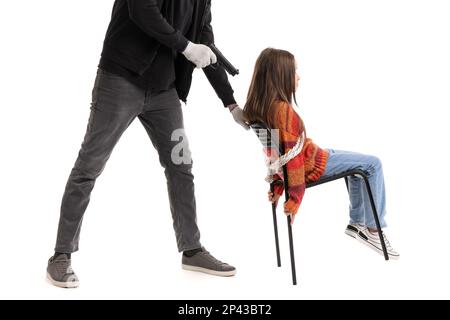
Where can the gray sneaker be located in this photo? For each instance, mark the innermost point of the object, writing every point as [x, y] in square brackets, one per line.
[60, 273]
[203, 261]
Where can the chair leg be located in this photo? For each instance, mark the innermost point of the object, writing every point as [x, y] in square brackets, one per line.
[291, 241]
[291, 248]
[275, 227]
[375, 215]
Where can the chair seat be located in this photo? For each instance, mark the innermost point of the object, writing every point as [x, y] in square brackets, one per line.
[337, 177]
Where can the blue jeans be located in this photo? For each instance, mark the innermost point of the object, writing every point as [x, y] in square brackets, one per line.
[360, 208]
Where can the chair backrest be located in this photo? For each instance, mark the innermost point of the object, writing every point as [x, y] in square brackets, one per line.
[268, 137]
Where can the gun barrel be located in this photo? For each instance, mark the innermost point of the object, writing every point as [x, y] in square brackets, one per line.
[224, 61]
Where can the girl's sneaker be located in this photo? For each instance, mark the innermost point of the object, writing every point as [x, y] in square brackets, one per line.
[353, 229]
[372, 240]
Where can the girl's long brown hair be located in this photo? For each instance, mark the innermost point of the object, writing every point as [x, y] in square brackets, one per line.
[273, 81]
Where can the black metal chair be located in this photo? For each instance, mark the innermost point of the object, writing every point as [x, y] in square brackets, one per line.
[265, 137]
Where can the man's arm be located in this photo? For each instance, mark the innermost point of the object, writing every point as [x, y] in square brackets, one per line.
[147, 16]
[217, 76]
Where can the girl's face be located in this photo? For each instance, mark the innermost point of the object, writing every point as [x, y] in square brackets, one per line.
[297, 77]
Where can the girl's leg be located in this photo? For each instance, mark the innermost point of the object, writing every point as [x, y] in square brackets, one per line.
[360, 207]
[357, 208]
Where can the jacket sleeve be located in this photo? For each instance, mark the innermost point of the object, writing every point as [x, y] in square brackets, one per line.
[146, 14]
[217, 76]
[279, 185]
[288, 122]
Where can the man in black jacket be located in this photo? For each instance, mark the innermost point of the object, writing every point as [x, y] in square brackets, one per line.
[150, 51]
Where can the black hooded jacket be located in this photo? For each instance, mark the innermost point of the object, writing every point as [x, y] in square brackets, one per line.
[140, 30]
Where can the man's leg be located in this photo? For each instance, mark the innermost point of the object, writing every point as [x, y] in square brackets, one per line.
[163, 120]
[115, 104]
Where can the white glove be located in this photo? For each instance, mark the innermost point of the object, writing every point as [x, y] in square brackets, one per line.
[239, 117]
[199, 54]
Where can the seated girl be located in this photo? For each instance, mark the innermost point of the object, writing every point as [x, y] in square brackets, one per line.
[272, 91]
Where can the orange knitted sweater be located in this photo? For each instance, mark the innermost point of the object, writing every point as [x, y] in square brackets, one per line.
[307, 166]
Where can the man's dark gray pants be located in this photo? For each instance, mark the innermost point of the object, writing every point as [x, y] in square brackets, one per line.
[116, 102]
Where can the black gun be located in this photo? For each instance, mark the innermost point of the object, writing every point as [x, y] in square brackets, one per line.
[222, 61]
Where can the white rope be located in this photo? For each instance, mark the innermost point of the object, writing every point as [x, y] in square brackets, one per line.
[275, 167]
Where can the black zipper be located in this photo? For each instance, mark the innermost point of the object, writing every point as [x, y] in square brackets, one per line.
[202, 26]
[207, 6]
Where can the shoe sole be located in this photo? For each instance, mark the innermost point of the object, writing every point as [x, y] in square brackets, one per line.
[208, 271]
[375, 248]
[65, 285]
[351, 233]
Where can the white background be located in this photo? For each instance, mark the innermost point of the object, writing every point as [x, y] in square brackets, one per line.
[375, 79]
